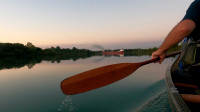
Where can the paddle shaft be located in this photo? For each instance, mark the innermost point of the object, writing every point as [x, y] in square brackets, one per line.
[157, 59]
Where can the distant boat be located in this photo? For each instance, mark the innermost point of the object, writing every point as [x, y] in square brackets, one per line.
[120, 52]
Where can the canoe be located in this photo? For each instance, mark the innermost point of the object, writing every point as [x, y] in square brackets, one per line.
[183, 97]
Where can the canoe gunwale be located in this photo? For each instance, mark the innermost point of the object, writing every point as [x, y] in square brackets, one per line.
[175, 99]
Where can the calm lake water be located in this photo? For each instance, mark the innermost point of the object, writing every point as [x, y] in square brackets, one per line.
[37, 88]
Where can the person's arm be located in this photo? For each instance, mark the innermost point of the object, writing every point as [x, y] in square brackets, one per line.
[178, 33]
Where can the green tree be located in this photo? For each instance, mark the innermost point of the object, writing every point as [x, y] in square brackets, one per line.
[29, 44]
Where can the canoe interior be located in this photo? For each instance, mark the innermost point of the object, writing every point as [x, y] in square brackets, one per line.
[178, 89]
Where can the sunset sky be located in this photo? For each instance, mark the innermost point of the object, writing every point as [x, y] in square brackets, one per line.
[110, 23]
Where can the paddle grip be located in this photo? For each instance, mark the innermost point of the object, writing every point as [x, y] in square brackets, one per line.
[157, 59]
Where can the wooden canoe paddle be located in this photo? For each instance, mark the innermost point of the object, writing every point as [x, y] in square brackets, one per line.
[102, 76]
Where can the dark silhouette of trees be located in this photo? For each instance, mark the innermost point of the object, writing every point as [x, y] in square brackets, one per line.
[16, 55]
[29, 50]
[18, 50]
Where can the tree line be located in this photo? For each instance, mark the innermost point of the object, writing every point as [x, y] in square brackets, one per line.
[29, 50]
[149, 51]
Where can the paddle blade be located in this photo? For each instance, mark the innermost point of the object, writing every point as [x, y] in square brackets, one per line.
[97, 78]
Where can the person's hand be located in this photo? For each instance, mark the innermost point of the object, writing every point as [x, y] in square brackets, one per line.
[159, 54]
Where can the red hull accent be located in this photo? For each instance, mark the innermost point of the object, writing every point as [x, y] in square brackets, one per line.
[113, 53]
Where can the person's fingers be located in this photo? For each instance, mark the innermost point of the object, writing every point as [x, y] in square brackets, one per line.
[158, 54]
[154, 55]
[161, 60]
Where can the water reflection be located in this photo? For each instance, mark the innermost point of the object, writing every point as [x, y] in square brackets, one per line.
[38, 89]
[9, 63]
[14, 62]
